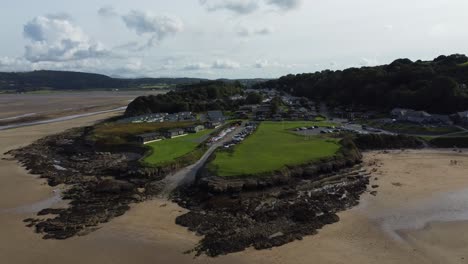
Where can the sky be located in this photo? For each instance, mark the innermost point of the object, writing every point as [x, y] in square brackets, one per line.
[225, 38]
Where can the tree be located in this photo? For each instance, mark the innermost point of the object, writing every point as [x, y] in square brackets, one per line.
[275, 105]
[254, 98]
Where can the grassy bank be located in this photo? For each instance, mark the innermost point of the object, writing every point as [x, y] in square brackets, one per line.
[272, 147]
[413, 129]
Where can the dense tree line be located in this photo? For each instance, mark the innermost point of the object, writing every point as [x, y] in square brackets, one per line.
[212, 95]
[438, 86]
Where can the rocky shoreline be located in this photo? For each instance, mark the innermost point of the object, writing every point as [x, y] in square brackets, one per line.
[272, 217]
[99, 185]
[102, 185]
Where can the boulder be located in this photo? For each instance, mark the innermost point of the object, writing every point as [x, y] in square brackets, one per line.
[114, 186]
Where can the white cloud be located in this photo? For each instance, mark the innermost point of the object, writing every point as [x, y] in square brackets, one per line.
[244, 7]
[196, 66]
[8, 64]
[130, 67]
[285, 4]
[156, 27]
[261, 64]
[225, 64]
[388, 27]
[217, 64]
[236, 6]
[107, 11]
[144, 23]
[56, 38]
[368, 62]
[247, 32]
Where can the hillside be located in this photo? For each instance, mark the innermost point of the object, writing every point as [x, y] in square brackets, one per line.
[62, 80]
[65, 80]
[438, 86]
[200, 97]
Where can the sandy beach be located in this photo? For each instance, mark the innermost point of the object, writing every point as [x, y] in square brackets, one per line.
[21, 109]
[417, 217]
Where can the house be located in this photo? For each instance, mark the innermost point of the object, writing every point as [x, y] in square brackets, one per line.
[460, 118]
[410, 115]
[441, 119]
[216, 116]
[249, 108]
[186, 116]
[195, 128]
[172, 118]
[241, 114]
[148, 138]
[172, 133]
[150, 118]
[399, 113]
[213, 125]
[264, 110]
[421, 117]
[418, 117]
[237, 97]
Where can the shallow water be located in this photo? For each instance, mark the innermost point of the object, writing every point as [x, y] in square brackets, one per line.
[37, 206]
[447, 207]
[17, 117]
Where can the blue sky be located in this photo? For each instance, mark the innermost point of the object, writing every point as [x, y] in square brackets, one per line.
[225, 38]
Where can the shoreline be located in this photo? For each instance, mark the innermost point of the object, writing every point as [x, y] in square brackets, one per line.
[59, 119]
[148, 232]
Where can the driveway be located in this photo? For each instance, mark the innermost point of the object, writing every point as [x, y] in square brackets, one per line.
[187, 175]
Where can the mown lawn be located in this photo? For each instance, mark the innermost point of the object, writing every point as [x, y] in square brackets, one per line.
[272, 147]
[171, 149]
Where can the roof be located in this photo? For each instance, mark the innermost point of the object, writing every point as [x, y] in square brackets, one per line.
[399, 111]
[463, 114]
[215, 115]
[420, 114]
[249, 106]
[175, 130]
[441, 117]
[149, 135]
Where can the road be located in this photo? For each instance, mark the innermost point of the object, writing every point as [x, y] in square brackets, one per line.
[187, 175]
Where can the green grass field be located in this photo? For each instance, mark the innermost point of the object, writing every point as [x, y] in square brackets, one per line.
[272, 147]
[171, 149]
[114, 133]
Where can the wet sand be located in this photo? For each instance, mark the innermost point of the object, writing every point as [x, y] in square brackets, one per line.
[28, 108]
[378, 231]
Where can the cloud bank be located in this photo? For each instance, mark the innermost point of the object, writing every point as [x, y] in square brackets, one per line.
[156, 27]
[236, 6]
[285, 4]
[56, 38]
[243, 7]
[247, 32]
[107, 11]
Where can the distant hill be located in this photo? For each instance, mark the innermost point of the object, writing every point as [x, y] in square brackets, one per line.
[64, 80]
[437, 86]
